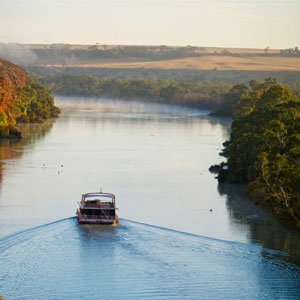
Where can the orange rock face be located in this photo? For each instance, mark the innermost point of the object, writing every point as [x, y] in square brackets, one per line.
[12, 78]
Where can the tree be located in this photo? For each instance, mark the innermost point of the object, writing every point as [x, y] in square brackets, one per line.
[267, 49]
[264, 148]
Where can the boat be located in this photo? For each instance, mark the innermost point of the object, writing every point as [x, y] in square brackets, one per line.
[97, 208]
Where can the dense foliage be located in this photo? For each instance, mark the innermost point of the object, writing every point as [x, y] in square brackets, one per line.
[33, 104]
[202, 95]
[264, 147]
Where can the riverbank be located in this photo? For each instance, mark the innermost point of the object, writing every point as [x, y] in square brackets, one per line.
[263, 150]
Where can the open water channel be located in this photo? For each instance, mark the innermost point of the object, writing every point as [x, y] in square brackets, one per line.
[181, 235]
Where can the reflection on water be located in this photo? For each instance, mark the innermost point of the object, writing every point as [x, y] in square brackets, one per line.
[262, 228]
[12, 149]
[135, 261]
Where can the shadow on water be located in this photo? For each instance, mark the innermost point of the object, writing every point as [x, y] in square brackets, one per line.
[64, 260]
[264, 229]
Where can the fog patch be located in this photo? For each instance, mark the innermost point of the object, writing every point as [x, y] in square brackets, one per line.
[17, 53]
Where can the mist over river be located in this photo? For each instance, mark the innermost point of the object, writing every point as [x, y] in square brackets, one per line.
[181, 235]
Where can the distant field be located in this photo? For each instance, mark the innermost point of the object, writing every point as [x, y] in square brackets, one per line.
[200, 49]
[207, 62]
[158, 57]
[188, 63]
[204, 58]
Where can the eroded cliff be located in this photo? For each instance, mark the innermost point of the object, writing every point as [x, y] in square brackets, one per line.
[12, 79]
[22, 100]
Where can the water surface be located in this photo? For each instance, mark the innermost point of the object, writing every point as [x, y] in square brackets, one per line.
[207, 239]
[155, 158]
[134, 261]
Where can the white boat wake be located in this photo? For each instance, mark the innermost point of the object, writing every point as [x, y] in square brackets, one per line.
[65, 260]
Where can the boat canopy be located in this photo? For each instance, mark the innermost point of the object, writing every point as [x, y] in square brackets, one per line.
[98, 196]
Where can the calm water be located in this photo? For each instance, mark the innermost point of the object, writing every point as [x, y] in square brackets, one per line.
[206, 239]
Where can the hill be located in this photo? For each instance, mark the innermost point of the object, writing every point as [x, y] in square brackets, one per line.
[153, 57]
[189, 63]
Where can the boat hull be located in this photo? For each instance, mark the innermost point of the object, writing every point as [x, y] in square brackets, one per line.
[84, 219]
[100, 222]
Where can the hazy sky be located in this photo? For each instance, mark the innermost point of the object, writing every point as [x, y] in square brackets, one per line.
[224, 23]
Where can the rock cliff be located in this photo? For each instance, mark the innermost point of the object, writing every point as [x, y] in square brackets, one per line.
[22, 100]
[12, 78]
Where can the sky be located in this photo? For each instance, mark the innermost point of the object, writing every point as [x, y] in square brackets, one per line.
[207, 23]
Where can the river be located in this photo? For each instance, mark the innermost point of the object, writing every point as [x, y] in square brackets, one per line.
[155, 159]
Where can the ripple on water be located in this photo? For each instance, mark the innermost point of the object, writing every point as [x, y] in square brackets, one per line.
[63, 260]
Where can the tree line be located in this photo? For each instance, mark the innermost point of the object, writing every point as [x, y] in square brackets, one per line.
[194, 94]
[65, 54]
[264, 147]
